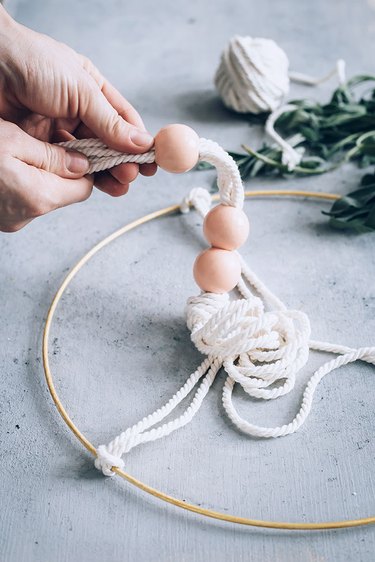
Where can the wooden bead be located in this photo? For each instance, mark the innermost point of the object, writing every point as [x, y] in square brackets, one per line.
[226, 227]
[216, 270]
[176, 148]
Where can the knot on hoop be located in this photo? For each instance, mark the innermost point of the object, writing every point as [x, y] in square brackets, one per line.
[257, 348]
[199, 198]
[105, 461]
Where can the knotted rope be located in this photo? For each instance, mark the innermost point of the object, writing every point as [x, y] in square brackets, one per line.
[259, 342]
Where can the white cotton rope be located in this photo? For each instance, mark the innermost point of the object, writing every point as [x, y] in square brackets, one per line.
[101, 157]
[253, 77]
[260, 344]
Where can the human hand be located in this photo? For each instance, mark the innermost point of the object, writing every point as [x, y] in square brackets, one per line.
[55, 94]
[37, 177]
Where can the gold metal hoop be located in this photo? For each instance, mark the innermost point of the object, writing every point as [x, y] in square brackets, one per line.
[131, 479]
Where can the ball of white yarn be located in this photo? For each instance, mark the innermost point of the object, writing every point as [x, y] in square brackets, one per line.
[253, 75]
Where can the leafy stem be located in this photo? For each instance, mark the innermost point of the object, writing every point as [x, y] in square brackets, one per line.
[327, 135]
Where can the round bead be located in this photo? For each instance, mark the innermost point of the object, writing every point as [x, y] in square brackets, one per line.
[216, 270]
[226, 227]
[176, 148]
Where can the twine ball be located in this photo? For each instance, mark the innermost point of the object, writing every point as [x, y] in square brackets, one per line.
[253, 75]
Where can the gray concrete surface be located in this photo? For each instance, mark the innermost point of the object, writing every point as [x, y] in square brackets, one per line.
[120, 345]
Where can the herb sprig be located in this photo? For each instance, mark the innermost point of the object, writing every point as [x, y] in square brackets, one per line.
[357, 209]
[329, 135]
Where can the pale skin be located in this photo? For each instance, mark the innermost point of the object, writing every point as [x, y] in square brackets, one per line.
[48, 94]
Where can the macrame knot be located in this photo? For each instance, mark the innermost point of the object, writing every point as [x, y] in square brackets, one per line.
[198, 198]
[105, 461]
[257, 348]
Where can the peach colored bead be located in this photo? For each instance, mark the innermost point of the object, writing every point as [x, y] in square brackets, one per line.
[216, 270]
[176, 148]
[226, 227]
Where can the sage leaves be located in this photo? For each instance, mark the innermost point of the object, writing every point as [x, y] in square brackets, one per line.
[327, 135]
[357, 209]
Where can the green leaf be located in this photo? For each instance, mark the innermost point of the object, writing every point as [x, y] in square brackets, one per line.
[356, 225]
[357, 209]
[203, 166]
[339, 131]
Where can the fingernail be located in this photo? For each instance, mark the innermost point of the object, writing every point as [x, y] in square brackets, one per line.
[141, 138]
[76, 162]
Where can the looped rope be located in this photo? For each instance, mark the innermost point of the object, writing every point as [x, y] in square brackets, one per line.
[260, 343]
[105, 461]
[228, 177]
[339, 70]
[199, 198]
[291, 156]
[257, 348]
[143, 431]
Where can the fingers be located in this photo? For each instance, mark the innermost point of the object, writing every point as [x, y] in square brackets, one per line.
[101, 117]
[36, 178]
[121, 105]
[107, 183]
[46, 191]
[9, 226]
[148, 169]
[27, 192]
[64, 131]
[62, 135]
[116, 182]
[125, 173]
[48, 157]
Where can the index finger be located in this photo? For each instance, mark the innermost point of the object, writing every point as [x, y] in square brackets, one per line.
[122, 106]
[113, 96]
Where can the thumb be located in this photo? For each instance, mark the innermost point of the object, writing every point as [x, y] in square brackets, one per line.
[50, 157]
[98, 115]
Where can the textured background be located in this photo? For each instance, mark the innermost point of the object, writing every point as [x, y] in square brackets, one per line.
[120, 344]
